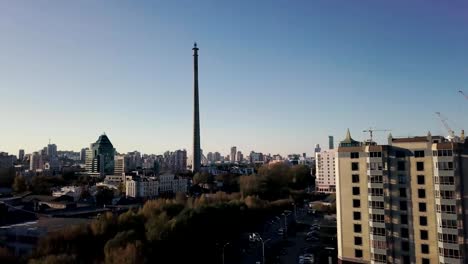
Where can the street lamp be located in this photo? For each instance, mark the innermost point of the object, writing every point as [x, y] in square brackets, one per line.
[285, 223]
[223, 250]
[256, 237]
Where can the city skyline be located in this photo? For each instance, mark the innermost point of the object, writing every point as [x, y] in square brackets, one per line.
[135, 81]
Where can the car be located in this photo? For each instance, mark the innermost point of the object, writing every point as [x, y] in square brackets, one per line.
[280, 232]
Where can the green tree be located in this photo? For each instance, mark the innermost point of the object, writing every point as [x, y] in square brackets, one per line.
[300, 176]
[19, 184]
[104, 196]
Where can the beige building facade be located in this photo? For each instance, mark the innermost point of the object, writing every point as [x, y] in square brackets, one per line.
[402, 202]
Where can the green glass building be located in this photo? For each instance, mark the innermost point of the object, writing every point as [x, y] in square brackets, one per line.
[100, 157]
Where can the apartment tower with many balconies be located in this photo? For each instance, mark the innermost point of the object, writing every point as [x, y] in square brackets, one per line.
[403, 202]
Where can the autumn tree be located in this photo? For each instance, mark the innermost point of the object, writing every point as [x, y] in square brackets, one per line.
[19, 184]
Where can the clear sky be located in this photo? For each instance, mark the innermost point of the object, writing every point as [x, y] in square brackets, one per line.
[275, 76]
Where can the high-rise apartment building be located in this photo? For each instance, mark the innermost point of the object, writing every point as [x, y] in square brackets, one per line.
[217, 156]
[317, 148]
[121, 163]
[35, 162]
[403, 202]
[83, 155]
[239, 157]
[6, 161]
[233, 154]
[325, 180]
[100, 157]
[52, 150]
[209, 157]
[331, 144]
[21, 155]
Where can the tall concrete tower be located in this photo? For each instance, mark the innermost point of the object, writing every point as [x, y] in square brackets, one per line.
[196, 114]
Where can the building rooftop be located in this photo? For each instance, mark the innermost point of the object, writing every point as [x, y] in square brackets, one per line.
[349, 141]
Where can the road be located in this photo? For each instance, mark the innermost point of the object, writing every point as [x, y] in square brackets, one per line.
[298, 243]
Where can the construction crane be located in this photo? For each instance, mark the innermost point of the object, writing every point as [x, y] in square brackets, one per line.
[462, 93]
[371, 132]
[443, 119]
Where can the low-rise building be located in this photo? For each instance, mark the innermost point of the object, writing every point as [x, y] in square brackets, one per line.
[72, 191]
[142, 187]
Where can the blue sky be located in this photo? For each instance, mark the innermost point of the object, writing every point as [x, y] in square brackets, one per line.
[275, 76]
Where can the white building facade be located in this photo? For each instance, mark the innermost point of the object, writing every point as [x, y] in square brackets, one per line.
[142, 187]
[325, 180]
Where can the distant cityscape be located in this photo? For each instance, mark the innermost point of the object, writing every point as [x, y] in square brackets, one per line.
[362, 202]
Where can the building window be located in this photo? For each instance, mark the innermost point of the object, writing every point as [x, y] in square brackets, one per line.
[422, 207]
[402, 192]
[406, 260]
[355, 178]
[419, 166]
[419, 154]
[375, 154]
[449, 224]
[375, 191]
[445, 165]
[405, 245]
[355, 190]
[450, 253]
[377, 231]
[356, 215]
[423, 221]
[356, 203]
[424, 235]
[425, 249]
[404, 232]
[445, 180]
[358, 241]
[420, 179]
[379, 258]
[357, 228]
[403, 206]
[401, 165]
[404, 219]
[448, 209]
[376, 205]
[425, 261]
[354, 166]
[401, 179]
[421, 193]
[358, 253]
[377, 218]
[355, 155]
[443, 153]
[448, 238]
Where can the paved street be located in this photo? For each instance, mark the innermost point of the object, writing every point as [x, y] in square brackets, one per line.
[298, 242]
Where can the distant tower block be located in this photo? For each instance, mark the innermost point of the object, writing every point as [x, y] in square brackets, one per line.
[331, 144]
